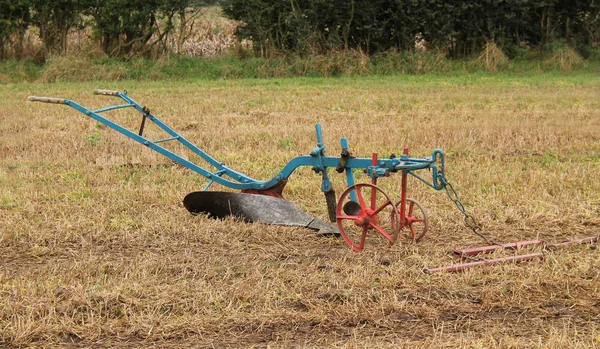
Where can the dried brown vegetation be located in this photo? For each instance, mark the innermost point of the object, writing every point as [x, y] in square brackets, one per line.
[492, 57]
[206, 34]
[201, 32]
[96, 249]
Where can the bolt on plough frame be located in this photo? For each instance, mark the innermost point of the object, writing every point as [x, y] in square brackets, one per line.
[361, 208]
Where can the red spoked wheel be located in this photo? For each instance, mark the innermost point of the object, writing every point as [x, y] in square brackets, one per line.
[415, 220]
[373, 210]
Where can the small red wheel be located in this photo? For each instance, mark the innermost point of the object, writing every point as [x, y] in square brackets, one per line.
[356, 218]
[415, 219]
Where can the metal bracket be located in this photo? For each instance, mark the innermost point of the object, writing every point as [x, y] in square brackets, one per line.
[145, 113]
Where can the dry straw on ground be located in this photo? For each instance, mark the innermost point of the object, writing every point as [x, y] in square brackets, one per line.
[96, 249]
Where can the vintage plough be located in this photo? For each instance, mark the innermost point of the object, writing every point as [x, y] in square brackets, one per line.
[360, 209]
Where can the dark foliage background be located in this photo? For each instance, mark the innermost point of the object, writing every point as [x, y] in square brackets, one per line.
[460, 28]
[124, 28]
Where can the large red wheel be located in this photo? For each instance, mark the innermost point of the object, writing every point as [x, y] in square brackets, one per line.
[415, 220]
[373, 210]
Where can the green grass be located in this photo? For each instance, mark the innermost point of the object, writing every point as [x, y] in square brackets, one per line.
[484, 79]
[335, 65]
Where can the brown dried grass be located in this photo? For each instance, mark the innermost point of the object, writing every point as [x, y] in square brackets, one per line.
[96, 249]
[209, 35]
[492, 57]
[565, 58]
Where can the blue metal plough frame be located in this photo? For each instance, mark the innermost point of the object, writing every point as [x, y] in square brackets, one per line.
[233, 179]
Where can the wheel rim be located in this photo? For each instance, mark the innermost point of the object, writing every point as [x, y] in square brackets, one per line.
[373, 212]
[415, 220]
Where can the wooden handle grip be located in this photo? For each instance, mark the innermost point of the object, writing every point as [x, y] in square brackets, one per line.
[106, 92]
[46, 99]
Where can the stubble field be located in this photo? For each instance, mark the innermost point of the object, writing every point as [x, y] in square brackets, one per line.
[97, 250]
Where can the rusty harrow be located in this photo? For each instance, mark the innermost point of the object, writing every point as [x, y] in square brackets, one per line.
[473, 253]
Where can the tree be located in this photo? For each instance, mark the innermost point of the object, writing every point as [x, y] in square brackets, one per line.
[131, 27]
[55, 18]
[460, 28]
[14, 20]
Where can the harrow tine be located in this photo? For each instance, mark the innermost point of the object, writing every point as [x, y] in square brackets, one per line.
[461, 253]
[588, 240]
[463, 266]
[548, 247]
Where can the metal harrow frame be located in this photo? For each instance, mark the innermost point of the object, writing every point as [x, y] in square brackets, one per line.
[473, 253]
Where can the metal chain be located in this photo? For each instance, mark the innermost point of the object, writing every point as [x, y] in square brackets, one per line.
[469, 219]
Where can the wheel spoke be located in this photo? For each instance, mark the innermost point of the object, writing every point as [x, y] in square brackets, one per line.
[412, 231]
[413, 208]
[382, 232]
[363, 237]
[382, 207]
[366, 216]
[347, 217]
[361, 200]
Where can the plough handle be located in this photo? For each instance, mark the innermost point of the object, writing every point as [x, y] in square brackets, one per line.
[106, 93]
[46, 100]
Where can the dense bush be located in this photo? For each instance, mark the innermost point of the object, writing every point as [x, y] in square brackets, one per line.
[14, 20]
[123, 27]
[127, 28]
[459, 28]
[54, 18]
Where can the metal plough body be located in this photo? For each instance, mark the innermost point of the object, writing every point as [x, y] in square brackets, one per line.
[362, 214]
[356, 212]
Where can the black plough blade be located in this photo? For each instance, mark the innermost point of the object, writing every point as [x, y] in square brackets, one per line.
[254, 208]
